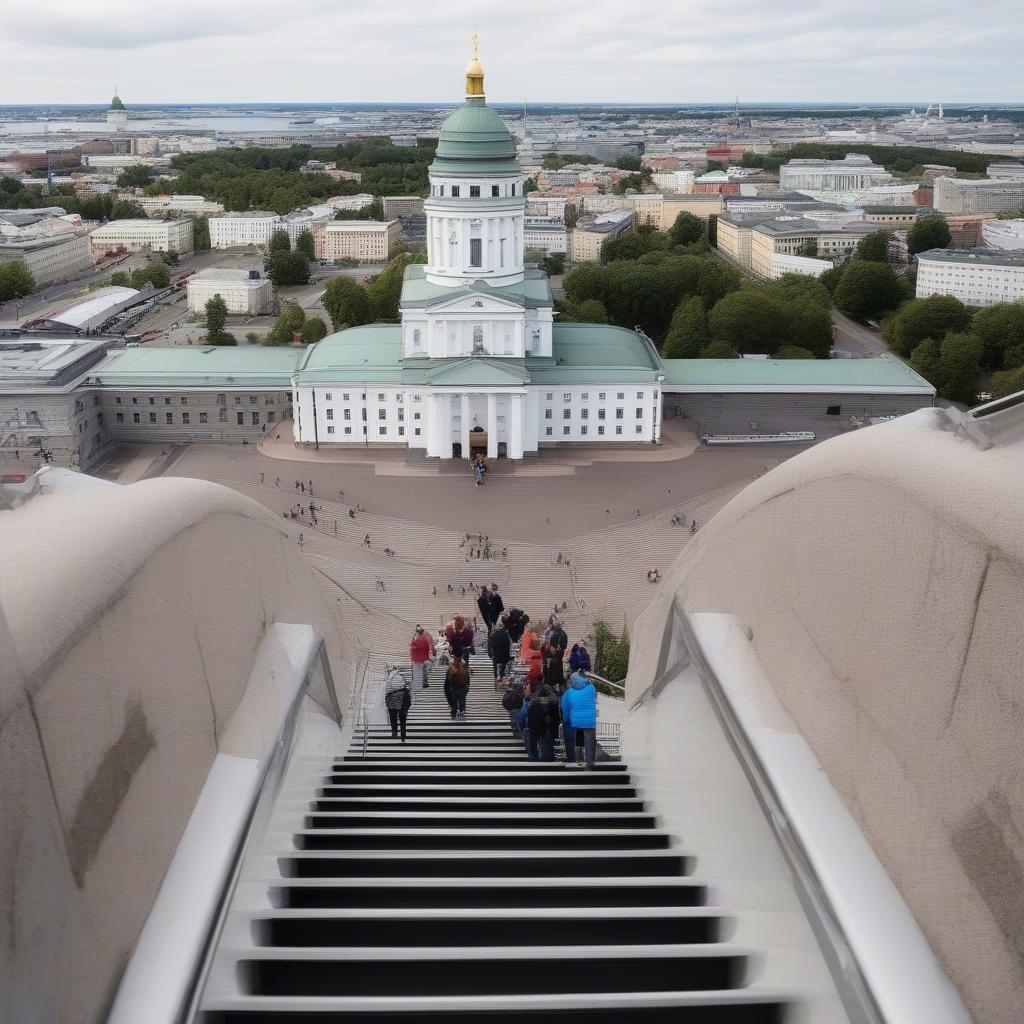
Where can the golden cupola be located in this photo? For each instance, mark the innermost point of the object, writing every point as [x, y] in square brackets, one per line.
[475, 72]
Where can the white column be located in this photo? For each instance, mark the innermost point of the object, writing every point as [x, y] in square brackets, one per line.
[464, 427]
[515, 426]
[444, 426]
[492, 426]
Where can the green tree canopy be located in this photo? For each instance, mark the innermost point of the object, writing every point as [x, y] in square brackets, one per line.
[304, 244]
[135, 177]
[290, 321]
[830, 278]
[794, 352]
[347, 303]
[127, 209]
[201, 233]
[628, 163]
[591, 311]
[931, 232]
[959, 367]
[933, 317]
[762, 318]
[874, 247]
[867, 289]
[216, 318]
[16, 281]
[314, 329]
[156, 274]
[385, 289]
[925, 360]
[121, 279]
[584, 281]
[288, 268]
[686, 229]
[611, 652]
[719, 350]
[1001, 330]
[688, 332]
[1008, 382]
[553, 264]
[632, 245]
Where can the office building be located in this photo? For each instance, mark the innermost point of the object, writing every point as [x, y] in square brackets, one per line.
[854, 171]
[590, 234]
[243, 291]
[402, 206]
[48, 258]
[163, 204]
[367, 241]
[134, 235]
[247, 228]
[975, 277]
[985, 195]
[1003, 234]
[793, 236]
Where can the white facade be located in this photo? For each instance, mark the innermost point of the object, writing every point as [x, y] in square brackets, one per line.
[965, 195]
[1003, 234]
[243, 291]
[854, 171]
[675, 181]
[368, 241]
[306, 220]
[975, 277]
[57, 258]
[242, 229]
[783, 263]
[142, 235]
[545, 234]
[176, 204]
[356, 202]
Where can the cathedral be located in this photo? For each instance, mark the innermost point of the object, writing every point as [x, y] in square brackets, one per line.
[479, 363]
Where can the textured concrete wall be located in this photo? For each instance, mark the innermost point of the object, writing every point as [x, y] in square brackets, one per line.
[880, 577]
[130, 621]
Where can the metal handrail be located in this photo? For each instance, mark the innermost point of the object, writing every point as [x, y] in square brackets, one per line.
[607, 682]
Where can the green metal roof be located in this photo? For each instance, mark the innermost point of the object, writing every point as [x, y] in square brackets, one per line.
[185, 366]
[473, 133]
[372, 353]
[836, 376]
[534, 291]
[479, 371]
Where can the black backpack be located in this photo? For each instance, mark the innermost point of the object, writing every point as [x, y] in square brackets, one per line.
[512, 699]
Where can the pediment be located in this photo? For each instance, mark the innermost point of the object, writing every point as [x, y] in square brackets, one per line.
[474, 302]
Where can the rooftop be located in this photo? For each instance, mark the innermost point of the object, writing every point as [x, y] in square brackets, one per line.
[112, 298]
[183, 366]
[978, 257]
[28, 361]
[886, 374]
[236, 275]
[137, 222]
[534, 291]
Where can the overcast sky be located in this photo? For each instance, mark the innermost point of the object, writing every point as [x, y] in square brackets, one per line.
[64, 51]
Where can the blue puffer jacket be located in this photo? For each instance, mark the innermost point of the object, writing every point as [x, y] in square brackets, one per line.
[581, 702]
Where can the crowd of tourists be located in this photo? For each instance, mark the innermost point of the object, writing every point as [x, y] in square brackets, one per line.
[545, 685]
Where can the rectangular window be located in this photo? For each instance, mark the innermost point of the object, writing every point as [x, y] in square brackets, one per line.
[330, 414]
[476, 250]
[455, 191]
[252, 399]
[382, 431]
[618, 430]
[833, 410]
[600, 414]
[184, 418]
[585, 396]
[600, 395]
[550, 396]
[167, 400]
[415, 415]
[585, 414]
[240, 418]
[565, 430]
[327, 396]
[600, 430]
[330, 430]
[567, 397]
[474, 191]
[120, 417]
[566, 413]
[135, 417]
[348, 430]
[401, 431]
[547, 414]
[620, 396]
[184, 400]
[401, 415]
[202, 417]
[222, 415]
[639, 394]
[170, 417]
[255, 419]
[344, 397]
[117, 401]
[639, 414]
[495, 191]
[417, 431]
[618, 414]
[382, 414]
[347, 414]
[380, 397]
[547, 431]
[238, 399]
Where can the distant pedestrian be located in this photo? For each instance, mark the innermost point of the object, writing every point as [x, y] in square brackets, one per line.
[351, 513]
[277, 481]
[302, 487]
[456, 686]
[302, 540]
[261, 478]
[421, 651]
[398, 700]
[499, 650]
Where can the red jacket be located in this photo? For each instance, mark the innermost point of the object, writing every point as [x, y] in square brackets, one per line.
[421, 647]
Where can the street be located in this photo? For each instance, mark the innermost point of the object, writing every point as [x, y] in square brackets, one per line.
[854, 341]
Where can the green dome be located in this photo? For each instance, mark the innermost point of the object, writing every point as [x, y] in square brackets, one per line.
[116, 104]
[471, 136]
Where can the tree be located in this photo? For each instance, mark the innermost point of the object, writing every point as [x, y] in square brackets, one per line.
[719, 350]
[959, 367]
[867, 289]
[874, 247]
[925, 360]
[631, 245]
[931, 232]
[155, 274]
[808, 250]
[794, 352]
[289, 322]
[933, 317]
[830, 278]
[288, 268]
[252, 337]
[591, 311]
[686, 229]
[761, 318]
[314, 329]
[584, 281]
[385, 289]
[628, 163]
[571, 215]
[16, 281]
[224, 338]
[216, 316]
[629, 181]
[1008, 382]
[171, 257]
[304, 244]
[1001, 330]
[533, 256]
[688, 333]
[120, 279]
[279, 243]
[554, 263]
[135, 177]
[611, 652]
[200, 233]
[127, 209]
[347, 303]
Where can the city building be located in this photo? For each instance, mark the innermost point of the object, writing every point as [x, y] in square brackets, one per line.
[243, 291]
[680, 180]
[45, 415]
[95, 314]
[246, 228]
[402, 206]
[117, 116]
[965, 229]
[975, 277]
[985, 195]
[368, 241]
[1009, 170]
[162, 204]
[477, 364]
[133, 235]
[854, 171]
[661, 211]
[308, 219]
[356, 202]
[590, 234]
[547, 235]
[891, 216]
[806, 266]
[796, 236]
[540, 204]
[1003, 234]
[48, 258]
